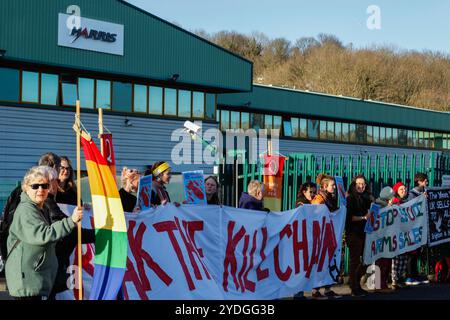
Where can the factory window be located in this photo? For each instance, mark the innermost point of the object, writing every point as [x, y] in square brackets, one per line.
[184, 103]
[210, 106]
[376, 134]
[303, 130]
[295, 128]
[30, 86]
[155, 100]
[86, 93]
[122, 96]
[9, 84]
[369, 134]
[277, 122]
[69, 94]
[382, 135]
[49, 89]
[421, 139]
[198, 106]
[170, 102]
[268, 122]
[389, 136]
[313, 129]
[431, 140]
[257, 121]
[323, 130]
[395, 136]
[287, 128]
[103, 94]
[330, 130]
[338, 131]
[225, 120]
[245, 120]
[426, 138]
[361, 133]
[140, 98]
[352, 132]
[235, 121]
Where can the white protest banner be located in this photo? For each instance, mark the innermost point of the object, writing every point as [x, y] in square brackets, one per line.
[213, 252]
[396, 230]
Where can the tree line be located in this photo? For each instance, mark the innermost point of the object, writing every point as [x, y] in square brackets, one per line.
[325, 64]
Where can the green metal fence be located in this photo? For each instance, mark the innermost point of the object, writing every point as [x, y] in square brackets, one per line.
[380, 170]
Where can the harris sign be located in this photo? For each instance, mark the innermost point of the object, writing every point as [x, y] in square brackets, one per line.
[91, 35]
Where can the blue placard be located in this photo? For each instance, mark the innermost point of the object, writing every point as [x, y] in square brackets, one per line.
[374, 210]
[144, 193]
[194, 187]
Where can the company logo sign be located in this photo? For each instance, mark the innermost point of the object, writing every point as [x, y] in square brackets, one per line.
[91, 35]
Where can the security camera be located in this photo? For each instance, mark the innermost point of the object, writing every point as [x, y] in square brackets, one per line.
[191, 127]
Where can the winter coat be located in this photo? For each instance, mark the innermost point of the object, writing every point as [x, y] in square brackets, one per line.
[329, 199]
[32, 264]
[249, 202]
[358, 206]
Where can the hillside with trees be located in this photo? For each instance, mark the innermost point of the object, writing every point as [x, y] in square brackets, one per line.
[324, 64]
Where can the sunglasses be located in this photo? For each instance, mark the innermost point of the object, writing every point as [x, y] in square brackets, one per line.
[36, 186]
[61, 168]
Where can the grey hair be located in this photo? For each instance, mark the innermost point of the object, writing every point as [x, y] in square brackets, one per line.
[34, 173]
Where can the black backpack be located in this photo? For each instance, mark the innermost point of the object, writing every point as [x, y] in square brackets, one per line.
[8, 215]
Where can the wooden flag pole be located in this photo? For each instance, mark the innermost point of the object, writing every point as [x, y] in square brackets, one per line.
[100, 129]
[80, 258]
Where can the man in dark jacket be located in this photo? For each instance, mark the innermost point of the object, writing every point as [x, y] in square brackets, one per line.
[254, 198]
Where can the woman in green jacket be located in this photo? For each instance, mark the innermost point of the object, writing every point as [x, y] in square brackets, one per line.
[31, 265]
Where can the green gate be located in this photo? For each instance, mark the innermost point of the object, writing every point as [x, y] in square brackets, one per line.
[380, 170]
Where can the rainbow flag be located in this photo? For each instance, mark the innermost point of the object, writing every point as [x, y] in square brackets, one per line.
[111, 242]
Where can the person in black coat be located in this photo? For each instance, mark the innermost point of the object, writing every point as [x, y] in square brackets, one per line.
[359, 200]
[253, 200]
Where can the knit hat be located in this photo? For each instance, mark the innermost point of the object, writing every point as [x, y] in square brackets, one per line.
[397, 186]
[387, 193]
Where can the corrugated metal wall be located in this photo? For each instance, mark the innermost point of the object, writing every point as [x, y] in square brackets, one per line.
[152, 48]
[26, 133]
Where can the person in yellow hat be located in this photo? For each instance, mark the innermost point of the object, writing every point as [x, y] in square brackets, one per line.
[161, 172]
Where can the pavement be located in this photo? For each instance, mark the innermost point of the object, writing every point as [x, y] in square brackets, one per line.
[431, 291]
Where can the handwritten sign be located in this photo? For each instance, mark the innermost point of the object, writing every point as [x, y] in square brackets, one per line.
[144, 192]
[194, 187]
[438, 215]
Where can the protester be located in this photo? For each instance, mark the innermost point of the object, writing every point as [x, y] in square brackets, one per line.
[384, 264]
[413, 278]
[399, 262]
[48, 159]
[212, 190]
[161, 172]
[32, 264]
[359, 199]
[327, 196]
[305, 195]
[65, 246]
[254, 198]
[130, 182]
[67, 192]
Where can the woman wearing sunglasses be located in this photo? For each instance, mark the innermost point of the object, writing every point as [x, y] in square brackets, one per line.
[31, 264]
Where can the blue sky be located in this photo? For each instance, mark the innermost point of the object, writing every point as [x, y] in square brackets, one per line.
[416, 24]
